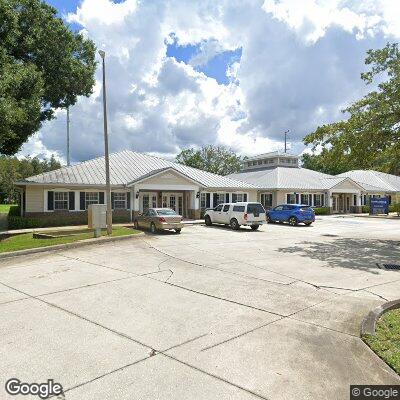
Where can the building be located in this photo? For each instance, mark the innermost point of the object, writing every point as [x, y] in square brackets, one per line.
[138, 181]
[281, 179]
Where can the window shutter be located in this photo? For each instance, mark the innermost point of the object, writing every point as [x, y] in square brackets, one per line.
[112, 200]
[128, 200]
[322, 200]
[215, 199]
[208, 200]
[288, 198]
[245, 197]
[227, 198]
[234, 197]
[50, 200]
[82, 200]
[297, 198]
[71, 202]
[309, 199]
[101, 198]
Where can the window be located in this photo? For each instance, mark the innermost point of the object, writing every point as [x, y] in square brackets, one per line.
[226, 208]
[61, 200]
[278, 208]
[266, 199]
[305, 199]
[237, 197]
[119, 200]
[238, 208]
[354, 200]
[319, 200]
[91, 198]
[203, 200]
[255, 208]
[218, 208]
[172, 202]
[291, 198]
[260, 162]
[166, 211]
[220, 198]
[164, 202]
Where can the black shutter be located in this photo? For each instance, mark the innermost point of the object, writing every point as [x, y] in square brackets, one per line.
[208, 200]
[297, 198]
[71, 202]
[112, 200]
[101, 198]
[322, 200]
[227, 198]
[50, 200]
[215, 199]
[82, 200]
[128, 200]
[245, 197]
[234, 197]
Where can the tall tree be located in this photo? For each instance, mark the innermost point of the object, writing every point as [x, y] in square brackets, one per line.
[370, 137]
[12, 169]
[43, 66]
[216, 159]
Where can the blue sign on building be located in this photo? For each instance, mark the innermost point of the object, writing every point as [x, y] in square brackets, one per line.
[379, 205]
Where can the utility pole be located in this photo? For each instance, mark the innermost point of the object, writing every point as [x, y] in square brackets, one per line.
[286, 132]
[68, 159]
[106, 156]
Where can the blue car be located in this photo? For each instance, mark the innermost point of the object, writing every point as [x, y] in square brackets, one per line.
[292, 213]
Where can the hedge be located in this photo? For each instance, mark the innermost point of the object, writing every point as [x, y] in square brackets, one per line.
[322, 210]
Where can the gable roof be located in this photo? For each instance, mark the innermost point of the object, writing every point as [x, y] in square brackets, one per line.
[297, 178]
[387, 182]
[128, 167]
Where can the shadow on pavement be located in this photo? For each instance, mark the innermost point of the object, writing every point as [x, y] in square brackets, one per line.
[361, 254]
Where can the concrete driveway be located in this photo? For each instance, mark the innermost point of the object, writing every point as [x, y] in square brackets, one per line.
[208, 314]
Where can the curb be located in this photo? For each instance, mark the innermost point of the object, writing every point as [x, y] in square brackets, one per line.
[368, 324]
[73, 245]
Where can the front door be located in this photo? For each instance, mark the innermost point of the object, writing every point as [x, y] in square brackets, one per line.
[147, 200]
[335, 203]
[174, 201]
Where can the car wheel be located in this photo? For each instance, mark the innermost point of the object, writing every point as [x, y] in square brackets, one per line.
[207, 220]
[136, 225]
[269, 220]
[293, 221]
[307, 223]
[234, 224]
[255, 227]
[178, 230]
[153, 228]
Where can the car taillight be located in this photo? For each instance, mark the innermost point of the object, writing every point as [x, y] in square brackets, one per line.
[162, 219]
[245, 216]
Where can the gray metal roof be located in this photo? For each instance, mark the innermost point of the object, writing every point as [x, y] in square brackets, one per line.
[387, 182]
[297, 178]
[127, 167]
[277, 153]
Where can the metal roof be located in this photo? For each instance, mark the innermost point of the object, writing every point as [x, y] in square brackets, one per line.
[127, 167]
[297, 178]
[387, 182]
[277, 153]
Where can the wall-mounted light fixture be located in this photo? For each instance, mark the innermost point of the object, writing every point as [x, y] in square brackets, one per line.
[137, 195]
[197, 195]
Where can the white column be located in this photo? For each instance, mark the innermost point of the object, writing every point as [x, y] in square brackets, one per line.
[329, 199]
[77, 200]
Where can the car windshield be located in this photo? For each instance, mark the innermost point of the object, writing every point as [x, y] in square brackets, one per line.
[166, 211]
[255, 208]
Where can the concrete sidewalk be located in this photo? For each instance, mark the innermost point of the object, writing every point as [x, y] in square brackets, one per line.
[208, 314]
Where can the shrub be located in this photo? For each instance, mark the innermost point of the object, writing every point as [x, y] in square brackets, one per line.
[395, 208]
[322, 210]
[43, 222]
[14, 211]
[365, 209]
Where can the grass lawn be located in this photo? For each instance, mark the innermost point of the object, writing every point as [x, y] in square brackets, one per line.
[4, 208]
[26, 240]
[386, 342]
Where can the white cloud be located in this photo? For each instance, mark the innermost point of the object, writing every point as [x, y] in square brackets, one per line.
[300, 64]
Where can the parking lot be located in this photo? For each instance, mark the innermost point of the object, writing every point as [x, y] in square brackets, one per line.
[208, 314]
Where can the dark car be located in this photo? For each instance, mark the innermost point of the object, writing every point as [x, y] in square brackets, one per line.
[292, 213]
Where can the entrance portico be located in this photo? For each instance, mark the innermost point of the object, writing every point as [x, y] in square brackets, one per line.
[345, 197]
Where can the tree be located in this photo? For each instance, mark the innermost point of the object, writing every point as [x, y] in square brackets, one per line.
[13, 169]
[43, 66]
[216, 159]
[370, 137]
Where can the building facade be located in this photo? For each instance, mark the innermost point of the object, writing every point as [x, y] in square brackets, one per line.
[281, 179]
[140, 181]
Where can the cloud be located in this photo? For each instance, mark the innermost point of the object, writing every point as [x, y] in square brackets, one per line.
[298, 66]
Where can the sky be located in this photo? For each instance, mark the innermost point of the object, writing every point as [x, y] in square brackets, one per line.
[239, 73]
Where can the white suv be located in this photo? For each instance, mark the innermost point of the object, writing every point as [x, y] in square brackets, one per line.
[236, 214]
